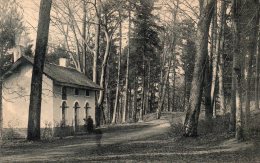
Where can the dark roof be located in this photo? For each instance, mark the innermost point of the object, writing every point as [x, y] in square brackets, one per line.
[60, 75]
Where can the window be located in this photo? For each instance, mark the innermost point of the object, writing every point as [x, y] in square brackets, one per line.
[87, 110]
[63, 113]
[76, 91]
[87, 92]
[64, 93]
[76, 115]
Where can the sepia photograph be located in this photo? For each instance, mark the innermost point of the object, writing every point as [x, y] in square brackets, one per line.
[130, 81]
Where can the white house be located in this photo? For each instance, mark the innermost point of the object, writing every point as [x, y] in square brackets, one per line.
[68, 96]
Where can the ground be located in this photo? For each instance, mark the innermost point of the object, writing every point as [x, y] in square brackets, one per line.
[152, 141]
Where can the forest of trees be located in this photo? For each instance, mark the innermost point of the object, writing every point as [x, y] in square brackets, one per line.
[152, 56]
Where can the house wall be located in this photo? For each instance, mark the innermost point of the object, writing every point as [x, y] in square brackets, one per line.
[16, 97]
[82, 99]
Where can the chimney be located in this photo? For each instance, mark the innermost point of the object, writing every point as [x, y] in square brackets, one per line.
[17, 52]
[63, 62]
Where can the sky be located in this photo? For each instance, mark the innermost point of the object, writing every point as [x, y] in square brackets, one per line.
[30, 9]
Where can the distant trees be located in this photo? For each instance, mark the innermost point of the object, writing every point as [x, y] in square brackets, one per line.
[169, 48]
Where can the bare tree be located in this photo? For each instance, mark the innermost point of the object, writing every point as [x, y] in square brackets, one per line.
[109, 26]
[172, 58]
[193, 107]
[118, 75]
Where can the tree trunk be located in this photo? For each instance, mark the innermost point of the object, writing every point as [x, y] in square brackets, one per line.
[252, 50]
[78, 60]
[164, 86]
[257, 66]
[207, 92]
[118, 74]
[162, 63]
[257, 72]
[1, 105]
[143, 92]
[102, 79]
[127, 66]
[95, 58]
[147, 110]
[97, 39]
[34, 120]
[174, 83]
[108, 103]
[173, 91]
[84, 48]
[214, 63]
[220, 51]
[193, 107]
[168, 97]
[211, 72]
[232, 121]
[185, 85]
[236, 4]
[120, 111]
[130, 108]
[143, 85]
[135, 100]
[1, 97]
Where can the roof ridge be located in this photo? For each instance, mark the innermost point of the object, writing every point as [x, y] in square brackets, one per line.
[46, 62]
[62, 74]
[72, 68]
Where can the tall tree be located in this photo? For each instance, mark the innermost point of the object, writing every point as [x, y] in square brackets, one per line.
[11, 27]
[127, 65]
[251, 50]
[118, 72]
[210, 79]
[193, 107]
[34, 120]
[220, 52]
[236, 14]
[97, 39]
[146, 41]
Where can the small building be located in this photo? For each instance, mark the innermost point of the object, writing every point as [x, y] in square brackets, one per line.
[68, 97]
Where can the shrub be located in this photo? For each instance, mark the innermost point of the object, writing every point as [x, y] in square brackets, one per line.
[47, 131]
[9, 133]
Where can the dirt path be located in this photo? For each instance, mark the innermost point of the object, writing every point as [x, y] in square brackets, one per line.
[144, 142]
[71, 148]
